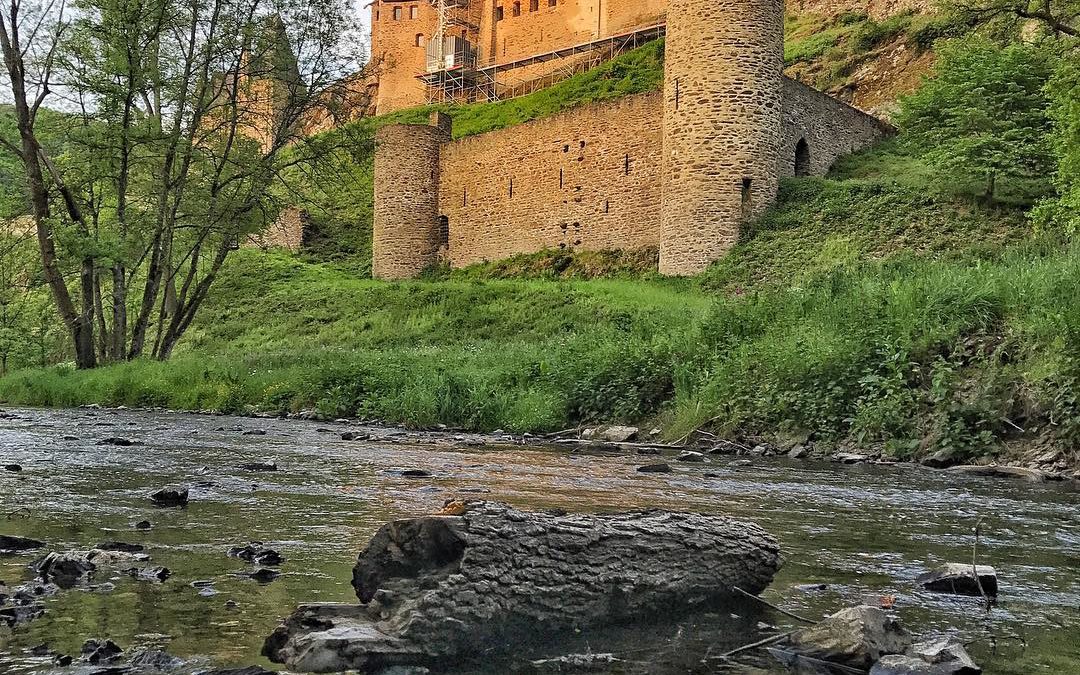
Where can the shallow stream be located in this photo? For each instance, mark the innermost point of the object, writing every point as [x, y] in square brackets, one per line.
[863, 532]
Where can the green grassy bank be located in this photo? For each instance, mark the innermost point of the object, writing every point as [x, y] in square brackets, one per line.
[858, 311]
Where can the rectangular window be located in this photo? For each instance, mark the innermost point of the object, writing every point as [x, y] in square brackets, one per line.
[552, 3]
[534, 5]
[517, 9]
[413, 12]
[498, 13]
[397, 14]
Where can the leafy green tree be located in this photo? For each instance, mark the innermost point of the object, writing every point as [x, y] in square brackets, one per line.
[983, 115]
[180, 117]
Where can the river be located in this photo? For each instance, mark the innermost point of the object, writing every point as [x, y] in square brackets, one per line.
[863, 531]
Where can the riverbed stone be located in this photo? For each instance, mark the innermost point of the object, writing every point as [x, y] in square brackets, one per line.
[611, 434]
[690, 456]
[14, 468]
[264, 466]
[97, 651]
[440, 587]
[120, 546]
[172, 495]
[655, 468]
[940, 460]
[118, 441]
[855, 636]
[1002, 471]
[12, 544]
[959, 579]
[944, 656]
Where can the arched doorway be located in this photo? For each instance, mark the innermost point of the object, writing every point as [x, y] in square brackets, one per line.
[802, 158]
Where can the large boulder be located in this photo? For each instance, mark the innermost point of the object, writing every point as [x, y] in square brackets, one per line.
[856, 637]
[494, 578]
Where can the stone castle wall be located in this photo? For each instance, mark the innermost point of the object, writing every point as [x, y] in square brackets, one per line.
[830, 128]
[722, 99]
[589, 178]
[530, 27]
[405, 225]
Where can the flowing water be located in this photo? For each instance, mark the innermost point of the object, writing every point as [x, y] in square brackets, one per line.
[863, 531]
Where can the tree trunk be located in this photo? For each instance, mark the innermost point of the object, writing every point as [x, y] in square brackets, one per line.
[494, 578]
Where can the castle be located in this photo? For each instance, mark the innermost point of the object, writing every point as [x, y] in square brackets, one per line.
[681, 169]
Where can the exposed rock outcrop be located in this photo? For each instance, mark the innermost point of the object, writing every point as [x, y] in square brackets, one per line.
[494, 578]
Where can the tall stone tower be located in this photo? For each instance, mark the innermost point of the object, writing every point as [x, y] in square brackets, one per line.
[722, 125]
[406, 233]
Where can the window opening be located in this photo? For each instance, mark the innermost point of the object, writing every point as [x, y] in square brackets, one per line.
[802, 158]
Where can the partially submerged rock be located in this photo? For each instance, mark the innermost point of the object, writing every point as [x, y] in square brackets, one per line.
[494, 577]
[610, 434]
[959, 578]
[265, 466]
[172, 495]
[856, 637]
[655, 468]
[256, 553]
[13, 544]
[1020, 472]
[936, 657]
[68, 569]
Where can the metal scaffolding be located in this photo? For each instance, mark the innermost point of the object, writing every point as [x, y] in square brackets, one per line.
[456, 73]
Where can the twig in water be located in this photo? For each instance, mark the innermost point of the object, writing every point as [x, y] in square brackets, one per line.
[779, 609]
[975, 567]
[754, 645]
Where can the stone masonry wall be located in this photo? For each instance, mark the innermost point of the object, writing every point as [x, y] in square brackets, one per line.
[588, 178]
[722, 125]
[405, 226]
[830, 128]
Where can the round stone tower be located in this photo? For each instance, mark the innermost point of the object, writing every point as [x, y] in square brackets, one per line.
[405, 232]
[722, 125]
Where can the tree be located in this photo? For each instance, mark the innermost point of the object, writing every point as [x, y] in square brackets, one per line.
[1059, 16]
[182, 114]
[984, 113]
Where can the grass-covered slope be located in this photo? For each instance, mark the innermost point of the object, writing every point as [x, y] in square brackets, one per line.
[861, 310]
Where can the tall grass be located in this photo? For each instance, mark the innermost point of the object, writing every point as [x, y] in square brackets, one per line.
[910, 355]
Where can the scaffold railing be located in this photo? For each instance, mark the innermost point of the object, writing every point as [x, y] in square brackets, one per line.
[471, 78]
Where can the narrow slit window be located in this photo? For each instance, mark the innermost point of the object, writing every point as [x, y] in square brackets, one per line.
[444, 231]
[511, 188]
[561, 178]
[676, 93]
[464, 196]
[626, 165]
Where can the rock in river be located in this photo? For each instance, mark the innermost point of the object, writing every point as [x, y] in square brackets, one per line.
[173, 495]
[259, 466]
[855, 637]
[438, 587]
[936, 657]
[12, 544]
[959, 578]
[610, 434]
[654, 468]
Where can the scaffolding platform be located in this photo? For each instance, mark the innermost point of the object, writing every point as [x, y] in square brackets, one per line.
[460, 77]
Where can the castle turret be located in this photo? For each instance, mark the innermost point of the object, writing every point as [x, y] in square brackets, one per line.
[722, 125]
[407, 235]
